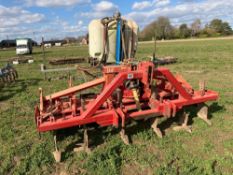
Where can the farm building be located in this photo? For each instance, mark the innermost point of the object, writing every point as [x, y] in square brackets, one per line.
[12, 43]
[84, 41]
[7, 43]
[51, 43]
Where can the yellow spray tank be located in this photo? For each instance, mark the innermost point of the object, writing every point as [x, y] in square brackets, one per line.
[103, 39]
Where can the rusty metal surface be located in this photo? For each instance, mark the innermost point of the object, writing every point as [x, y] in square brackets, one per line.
[166, 60]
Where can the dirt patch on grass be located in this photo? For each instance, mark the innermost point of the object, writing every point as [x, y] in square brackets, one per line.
[136, 169]
[4, 106]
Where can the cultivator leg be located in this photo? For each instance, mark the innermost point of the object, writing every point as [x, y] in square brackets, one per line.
[184, 123]
[203, 113]
[85, 145]
[124, 137]
[56, 153]
[154, 126]
[86, 141]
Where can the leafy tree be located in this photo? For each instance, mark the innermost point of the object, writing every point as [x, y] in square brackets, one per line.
[195, 27]
[220, 27]
[184, 31]
[163, 28]
[226, 29]
[216, 24]
[160, 27]
[148, 32]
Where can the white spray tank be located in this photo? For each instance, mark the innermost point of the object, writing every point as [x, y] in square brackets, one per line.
[96, 42]
[104, 46]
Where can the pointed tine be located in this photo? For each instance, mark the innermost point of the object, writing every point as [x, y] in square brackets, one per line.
[56, 153]
[186, 118]
[155, 128]
[85, 138]
[203, 113]
[124, 137]
[184, 125]
[85, 145]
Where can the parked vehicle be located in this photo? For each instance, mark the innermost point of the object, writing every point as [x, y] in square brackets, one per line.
[23, 46]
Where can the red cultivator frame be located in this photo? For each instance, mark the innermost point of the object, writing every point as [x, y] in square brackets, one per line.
[129, 92]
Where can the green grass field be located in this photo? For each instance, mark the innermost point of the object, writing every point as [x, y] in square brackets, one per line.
[208, 150]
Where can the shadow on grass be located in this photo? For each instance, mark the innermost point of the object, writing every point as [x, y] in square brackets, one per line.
[192, 110]
[10, 90]
[97, 135]
[215, 107]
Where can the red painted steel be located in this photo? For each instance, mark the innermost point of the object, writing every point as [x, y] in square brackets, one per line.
[116, 102]
[76, 89]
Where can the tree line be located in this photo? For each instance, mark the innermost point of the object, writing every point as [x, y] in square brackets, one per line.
[162, 29]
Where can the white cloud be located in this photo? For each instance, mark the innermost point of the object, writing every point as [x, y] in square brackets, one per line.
[185, 12]
[65, 27]
[101, 9]
[105, 6]
[13, 16]
[80, 22]
[160, 3]
[141, 5]
[17, 22]
[55, 3]
[150, 4]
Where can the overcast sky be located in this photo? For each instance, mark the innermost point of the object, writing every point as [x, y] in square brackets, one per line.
[60, 18]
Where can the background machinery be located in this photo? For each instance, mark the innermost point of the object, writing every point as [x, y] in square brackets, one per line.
[112, 39]
[8, 74]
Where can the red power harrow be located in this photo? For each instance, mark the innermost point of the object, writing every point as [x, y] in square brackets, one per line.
[129, 91]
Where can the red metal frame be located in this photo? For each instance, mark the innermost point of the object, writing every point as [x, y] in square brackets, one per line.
[63, 109]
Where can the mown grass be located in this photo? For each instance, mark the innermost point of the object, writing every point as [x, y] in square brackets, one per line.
[208, 150]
